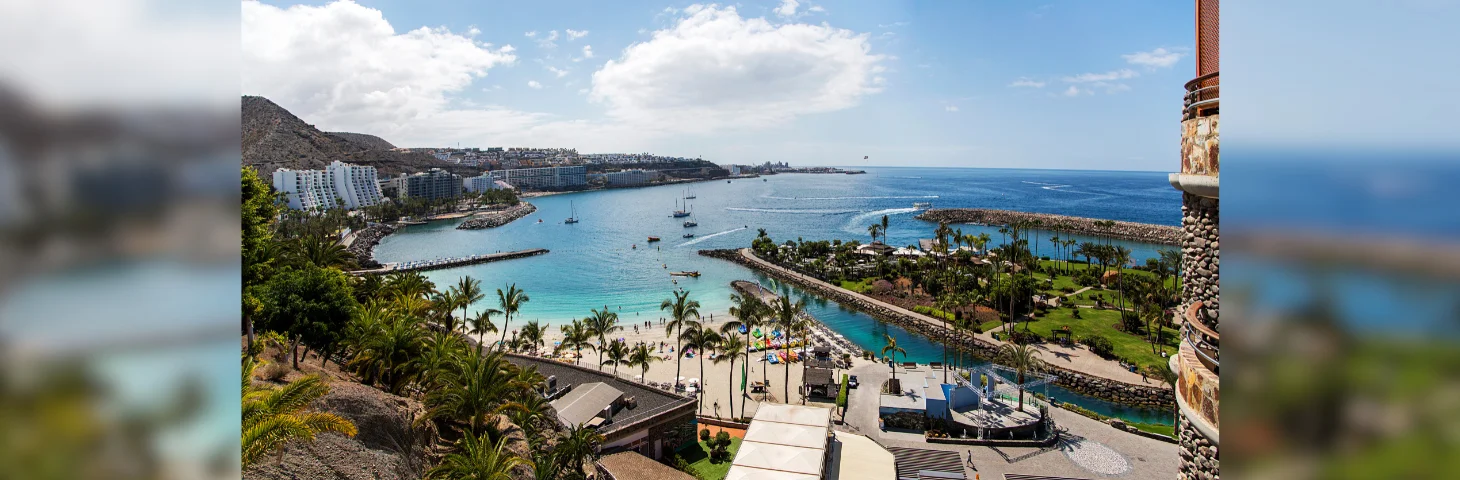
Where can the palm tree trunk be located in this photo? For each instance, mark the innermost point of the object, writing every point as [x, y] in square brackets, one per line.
[678, 357]
[600, 354]
[747, 363]
[701, 408]
[731, 391]
[502, 344]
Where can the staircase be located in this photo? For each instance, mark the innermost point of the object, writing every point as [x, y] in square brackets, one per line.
[912, 462]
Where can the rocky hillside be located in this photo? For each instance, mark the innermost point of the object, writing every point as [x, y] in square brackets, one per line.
[273, 138]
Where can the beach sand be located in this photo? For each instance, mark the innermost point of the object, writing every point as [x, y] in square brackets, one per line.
[721, 387]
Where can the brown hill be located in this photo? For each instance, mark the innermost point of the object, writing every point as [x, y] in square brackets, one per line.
[273, 138]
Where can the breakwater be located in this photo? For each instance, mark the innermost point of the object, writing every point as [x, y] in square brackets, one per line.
[497, 218]
[422, 265]
[363, 248]
[1142, 232]
[1091, 385]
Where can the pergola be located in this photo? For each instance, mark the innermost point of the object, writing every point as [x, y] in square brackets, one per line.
[999, 378]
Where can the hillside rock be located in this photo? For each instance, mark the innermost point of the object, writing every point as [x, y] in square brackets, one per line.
[273, 138]
[387, 445]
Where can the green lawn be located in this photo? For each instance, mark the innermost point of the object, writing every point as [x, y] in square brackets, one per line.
[1100, 322]
[698, 457]
[1166, 430]
[860, 286]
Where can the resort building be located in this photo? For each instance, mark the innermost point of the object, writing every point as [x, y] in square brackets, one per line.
[1198, 388]
[631, 416]
[628, 178]
[544, 178]
[483, 183]
[433, 185]
[339, 185]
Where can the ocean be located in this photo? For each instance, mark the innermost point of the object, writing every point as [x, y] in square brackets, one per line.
[605, 261]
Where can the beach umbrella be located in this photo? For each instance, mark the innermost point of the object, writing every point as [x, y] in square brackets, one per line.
[639, 377]
[694, 381]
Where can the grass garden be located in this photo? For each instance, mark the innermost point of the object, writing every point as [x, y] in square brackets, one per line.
[705, 466]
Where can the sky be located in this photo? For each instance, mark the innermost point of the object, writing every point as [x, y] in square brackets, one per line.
[1068, 85]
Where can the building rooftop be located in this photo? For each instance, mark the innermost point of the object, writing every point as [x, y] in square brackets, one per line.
[586, 401]
[633, 466]
[783, 442]
[649, 401]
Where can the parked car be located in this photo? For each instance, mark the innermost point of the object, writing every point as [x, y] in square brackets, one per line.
[852, 381]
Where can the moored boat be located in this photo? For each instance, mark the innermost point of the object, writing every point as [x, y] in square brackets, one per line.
[653, 239]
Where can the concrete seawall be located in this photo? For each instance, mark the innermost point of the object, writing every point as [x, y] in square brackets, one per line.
[439, 264]
[1141, 232]
[1086, 384]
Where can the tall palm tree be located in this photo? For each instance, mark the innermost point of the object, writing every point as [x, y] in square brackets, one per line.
[532, 334]
[599, 325]
[890, 351]
[577, 336]
[322, 252]
[1024, 359]
[703, 340]
[618, 354]
[477, 458]
[410, 284]
[1121, 257]
[730, 347]
[482, 325]
[788, 317]
[873, 229]
[642, 355]
[884, 229]
[511, 301]
[748, 311]
[273, 417]
[683, 312]
[579, 447]
[468, 291]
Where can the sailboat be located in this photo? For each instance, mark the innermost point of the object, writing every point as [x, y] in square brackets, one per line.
[679, 213]
[574, 217]
[691, 223]
[689, 193]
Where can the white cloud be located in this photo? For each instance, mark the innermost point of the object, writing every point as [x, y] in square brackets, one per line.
[557, 71]
[893, 25]
[548, 41]
[887, 35]
[950, 108]
[587, 51]
[787, 8]
[1121, 74]
[816, 9]
[1026, 82]
[344, 67]
[1074, 91]
[576, 34]
[532, 34]
[714, 68]
[533, 84]
[1158, 58]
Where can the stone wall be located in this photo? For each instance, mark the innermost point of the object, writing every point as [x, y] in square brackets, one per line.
[1143, 232]
[1200, 458]
[1201, 253]
[364, 245]
[1200, 148]
[1107, 389]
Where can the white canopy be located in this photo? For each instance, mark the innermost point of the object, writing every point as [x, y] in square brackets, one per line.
[765, 456]
[784, 442]
[804, 436]
[747, 473]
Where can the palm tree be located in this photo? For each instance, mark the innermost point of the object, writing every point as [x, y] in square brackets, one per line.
[322, 252]
[602, 323]
[576, 336]
[440, 352]
[730, 347]
[476, 389]
[532, 334]
[1122, 257]
[683, 312]
[482, 325]
[642, 355]
[788, 317]
[273, 417]
[884, 229]
[468, 291]
[873, 229]
[386, 351]
[1024, 359]
[748, 311]
[892, 349]
[511, 301]
[618, 354]
[703, 340]
[579, 447]
[410, 284]
[478, 458]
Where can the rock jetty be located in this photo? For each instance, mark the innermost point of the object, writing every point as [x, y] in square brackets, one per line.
[363, 248]
[497, 218]
[1141, 232]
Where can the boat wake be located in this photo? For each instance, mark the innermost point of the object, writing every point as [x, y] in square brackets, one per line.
[790, 210]
[891, 197]
[858, 224]
[707, 237]
[1047, 186]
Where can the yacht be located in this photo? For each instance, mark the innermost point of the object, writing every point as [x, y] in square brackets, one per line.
[679, 213]
[574, 217]
[689, 193]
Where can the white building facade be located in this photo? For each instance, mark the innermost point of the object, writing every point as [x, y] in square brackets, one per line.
[355, 184]
[338, 185]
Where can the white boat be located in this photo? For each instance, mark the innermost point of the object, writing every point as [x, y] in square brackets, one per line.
[689, 193]
[680, 213]
[574, 217]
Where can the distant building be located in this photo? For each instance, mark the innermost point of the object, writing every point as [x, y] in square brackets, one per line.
[543, 178]
[483, 183]
[338, 185]
[433, 185]
[630, 177]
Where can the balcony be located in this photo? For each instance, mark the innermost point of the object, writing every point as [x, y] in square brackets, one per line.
[1203, 339]
[1199, 388]
[1203, 96]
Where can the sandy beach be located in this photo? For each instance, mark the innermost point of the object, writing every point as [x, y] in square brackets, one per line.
[716, 377]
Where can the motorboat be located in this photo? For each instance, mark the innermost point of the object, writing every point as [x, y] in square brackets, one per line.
[691, 273]
[653, 239]
[689, 235]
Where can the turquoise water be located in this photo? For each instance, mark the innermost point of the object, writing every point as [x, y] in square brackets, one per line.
[594, 263]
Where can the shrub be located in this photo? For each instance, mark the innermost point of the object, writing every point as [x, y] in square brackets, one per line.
[1099, 345]
[841, 396]
[1130, 322]
[1076, 313]
[1020, 336]
[705, 435]
[275, 372]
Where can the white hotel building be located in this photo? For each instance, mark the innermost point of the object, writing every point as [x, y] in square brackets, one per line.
[353, 185]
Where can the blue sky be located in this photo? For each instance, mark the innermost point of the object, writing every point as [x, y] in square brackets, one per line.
[1082, 85]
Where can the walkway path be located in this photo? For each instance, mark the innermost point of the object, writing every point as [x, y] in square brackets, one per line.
[1072, 358]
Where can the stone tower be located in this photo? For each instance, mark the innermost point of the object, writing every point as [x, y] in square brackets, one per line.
[1197, 363]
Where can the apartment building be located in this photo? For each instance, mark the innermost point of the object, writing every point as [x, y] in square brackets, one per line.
[354, 184]
[543, 178]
